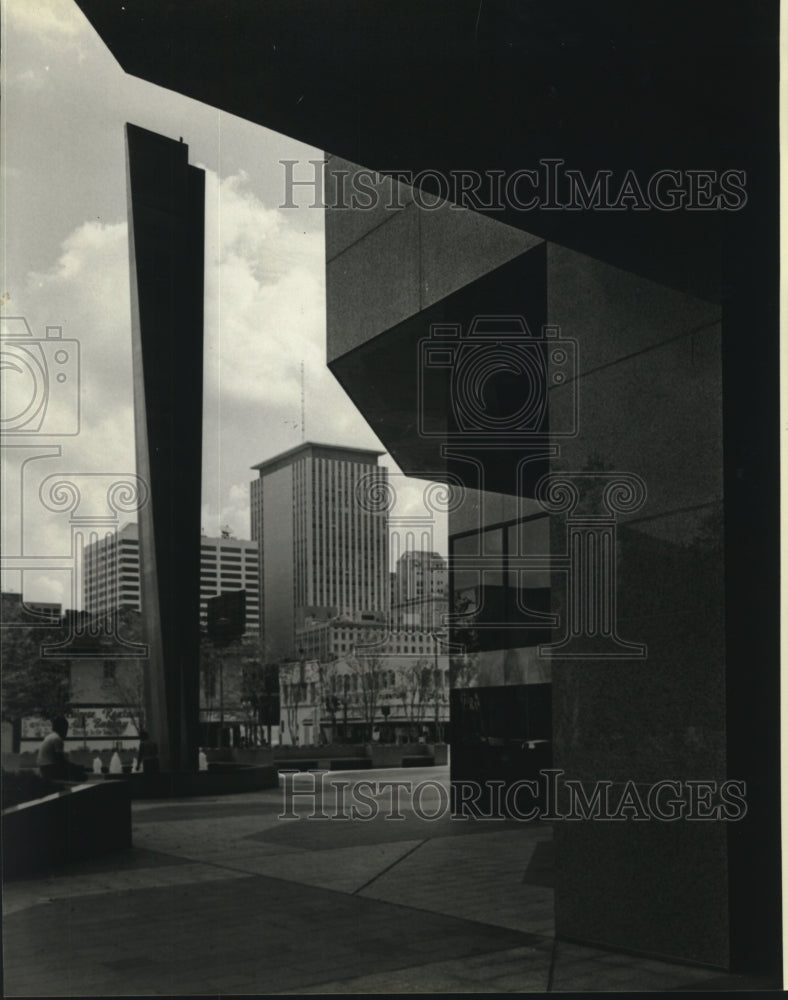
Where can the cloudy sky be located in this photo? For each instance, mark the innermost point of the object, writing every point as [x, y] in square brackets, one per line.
[65, 263]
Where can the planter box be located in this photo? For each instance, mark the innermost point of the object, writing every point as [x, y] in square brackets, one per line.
[256, 756]
[418, 760]
[222, 780]
[326, 751]
[391, 754]
[440, 751]
[296, 764]
[349, 763]
[82, 821]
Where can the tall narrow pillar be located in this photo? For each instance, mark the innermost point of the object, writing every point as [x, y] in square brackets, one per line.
[166, 246]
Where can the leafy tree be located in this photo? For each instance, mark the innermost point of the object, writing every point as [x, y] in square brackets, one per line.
[295, 692]
[260, 692]
[221, 675]
[368, 668]
[414, 690]
[31, 684]
[130, 686]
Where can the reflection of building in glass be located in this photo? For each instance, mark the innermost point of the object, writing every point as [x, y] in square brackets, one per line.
[420, 593]
[502, 595]
[112, 573]
[321, 524]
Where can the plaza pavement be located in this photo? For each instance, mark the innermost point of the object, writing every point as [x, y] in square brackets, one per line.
[220, 896]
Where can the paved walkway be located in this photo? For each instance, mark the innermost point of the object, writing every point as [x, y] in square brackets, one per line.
[221, 896]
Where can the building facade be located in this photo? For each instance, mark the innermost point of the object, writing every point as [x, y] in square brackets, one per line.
[320, 521]
[387, 697]
[333, 638]
[111, 573]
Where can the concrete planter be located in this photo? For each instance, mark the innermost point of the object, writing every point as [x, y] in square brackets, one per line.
[228, 779]
[326, 750]
[255, 756]
[82, 821]
[392, 755]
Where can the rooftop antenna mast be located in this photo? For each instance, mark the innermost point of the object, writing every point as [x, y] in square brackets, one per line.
[303, 417]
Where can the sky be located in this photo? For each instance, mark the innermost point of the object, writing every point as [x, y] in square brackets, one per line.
[65, 263]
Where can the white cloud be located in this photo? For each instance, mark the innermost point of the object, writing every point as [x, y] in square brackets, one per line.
[264, 319]
[46, 19]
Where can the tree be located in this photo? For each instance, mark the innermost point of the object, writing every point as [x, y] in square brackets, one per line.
[413, 690]
[130, 687]
[327, 674]
[129, 678]
[222, 667]
[336, 694]
[260, 693]
[31, 684]
[368, 668]
[294, 691]
[210, 666]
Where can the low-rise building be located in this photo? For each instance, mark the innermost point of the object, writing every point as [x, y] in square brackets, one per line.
[389, 687]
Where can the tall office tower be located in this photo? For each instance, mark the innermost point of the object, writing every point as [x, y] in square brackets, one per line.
[320, 519]
[111, 573]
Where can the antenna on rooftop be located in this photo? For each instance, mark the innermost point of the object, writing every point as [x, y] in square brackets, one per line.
[303, 417]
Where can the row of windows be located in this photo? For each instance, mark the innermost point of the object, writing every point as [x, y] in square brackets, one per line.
[251, 558]
[227, 548]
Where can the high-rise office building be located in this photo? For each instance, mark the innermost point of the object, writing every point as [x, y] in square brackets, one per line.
[228, 564]
[320, 520]
[111, 573]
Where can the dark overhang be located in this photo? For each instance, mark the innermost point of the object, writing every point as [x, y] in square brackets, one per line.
[496, 85]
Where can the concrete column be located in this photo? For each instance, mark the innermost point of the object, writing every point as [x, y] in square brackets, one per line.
[166, 241]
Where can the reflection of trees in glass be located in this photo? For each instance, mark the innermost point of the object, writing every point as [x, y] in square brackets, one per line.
[463, 665]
